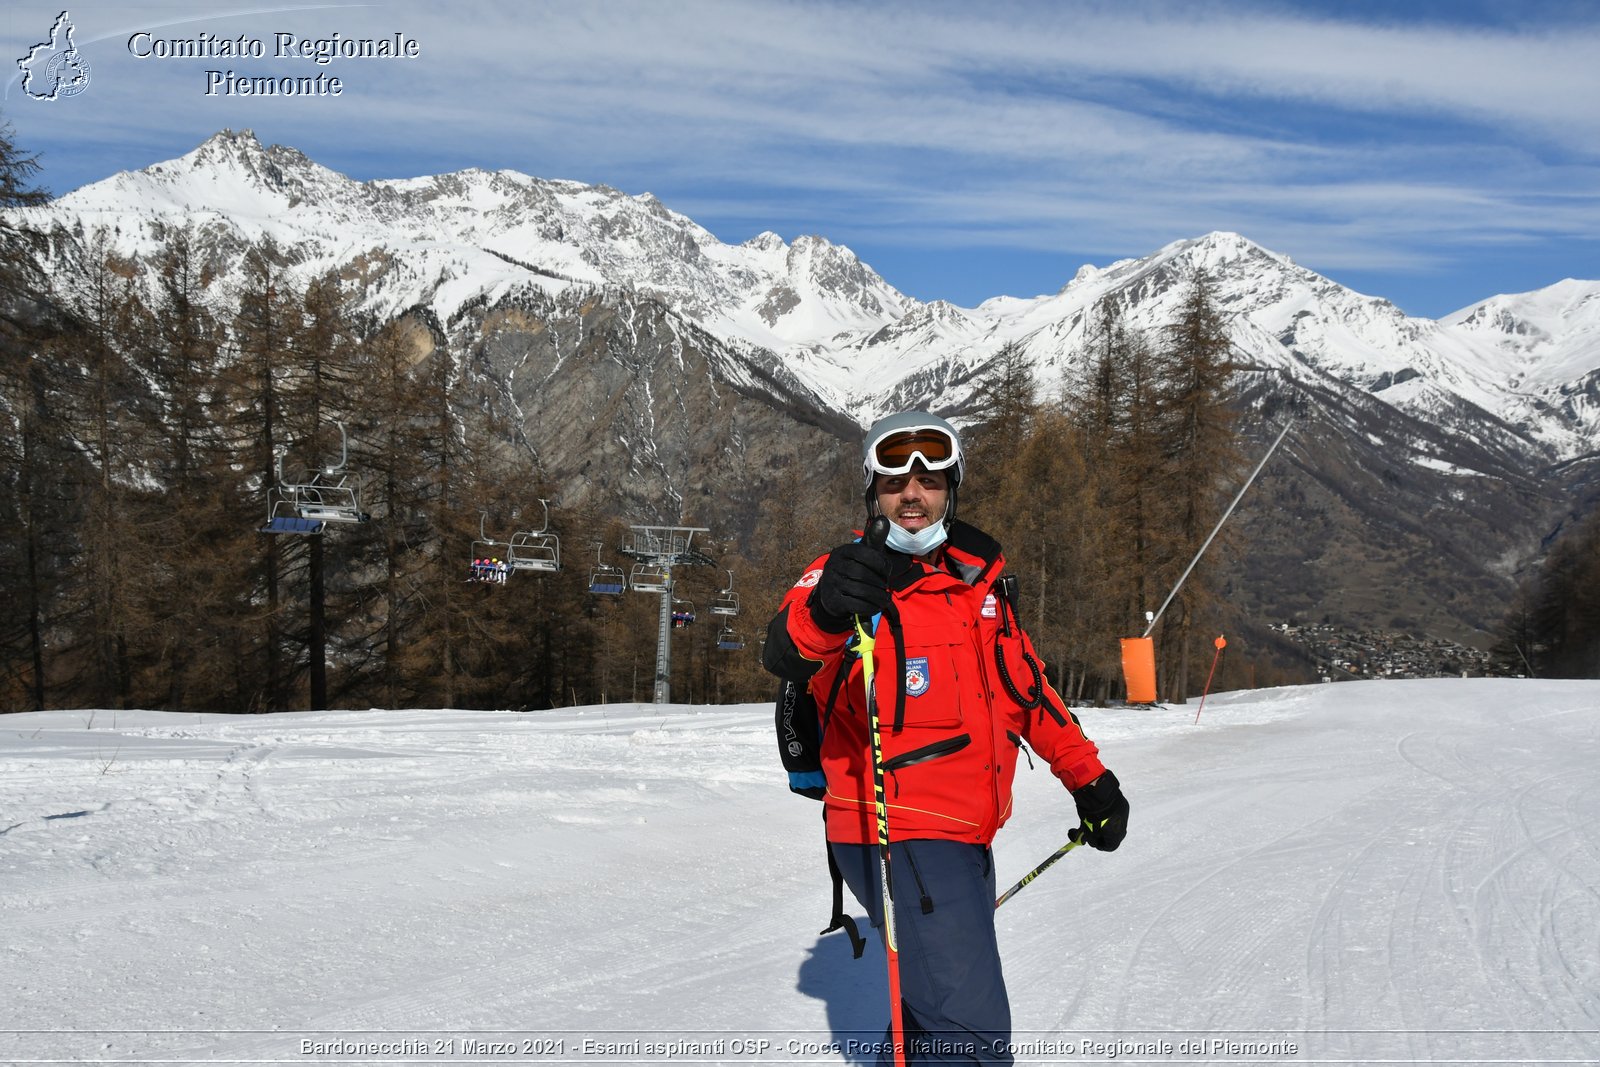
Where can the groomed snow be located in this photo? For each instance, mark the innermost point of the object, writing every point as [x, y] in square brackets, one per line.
[1353, 873]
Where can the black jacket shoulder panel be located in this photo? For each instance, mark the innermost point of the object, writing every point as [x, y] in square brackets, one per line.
[973, 542]
[780, 656]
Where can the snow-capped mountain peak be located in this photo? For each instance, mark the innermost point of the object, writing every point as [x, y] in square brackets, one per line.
[229, 173]
[843, 333]
[765, 241]
[1553, 333]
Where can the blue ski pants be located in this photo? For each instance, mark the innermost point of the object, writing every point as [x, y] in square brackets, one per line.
[954, 996]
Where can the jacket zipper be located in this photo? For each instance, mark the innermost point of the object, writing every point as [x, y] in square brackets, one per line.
[928, 752]
[1016, 739]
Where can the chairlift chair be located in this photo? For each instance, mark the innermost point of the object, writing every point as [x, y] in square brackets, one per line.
[485, 564]
[328, 495]
[682, 613]
[286, 523]
[728, 641]
[606, 579]
[282, 517]
[324, 496]
[535, 550]
[650, 578]
[727, 601]
[486, 552]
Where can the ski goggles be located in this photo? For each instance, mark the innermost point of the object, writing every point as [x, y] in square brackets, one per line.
[897, 451]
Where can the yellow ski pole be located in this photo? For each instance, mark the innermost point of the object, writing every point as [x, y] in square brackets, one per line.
[1074, 839]
[866, 643]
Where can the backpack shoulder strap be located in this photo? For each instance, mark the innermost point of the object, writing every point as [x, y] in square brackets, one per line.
[839, 920]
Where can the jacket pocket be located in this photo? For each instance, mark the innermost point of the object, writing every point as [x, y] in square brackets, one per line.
[924, 753]
[930, 665]
[920, 755]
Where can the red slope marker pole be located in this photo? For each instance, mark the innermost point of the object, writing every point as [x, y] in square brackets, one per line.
[1221, 644]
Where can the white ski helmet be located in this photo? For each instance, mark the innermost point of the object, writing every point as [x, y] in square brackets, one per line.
[896, 443]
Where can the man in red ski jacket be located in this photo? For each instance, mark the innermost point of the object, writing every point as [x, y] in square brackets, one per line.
[959, 690]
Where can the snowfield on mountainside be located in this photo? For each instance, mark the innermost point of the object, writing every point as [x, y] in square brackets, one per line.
[1359, 872]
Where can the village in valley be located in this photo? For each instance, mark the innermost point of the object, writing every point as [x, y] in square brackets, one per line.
[1341, 653]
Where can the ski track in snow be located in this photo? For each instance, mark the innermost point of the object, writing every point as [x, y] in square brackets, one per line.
[1400, 871]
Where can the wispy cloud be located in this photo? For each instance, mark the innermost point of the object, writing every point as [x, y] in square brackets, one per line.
[1091, 126]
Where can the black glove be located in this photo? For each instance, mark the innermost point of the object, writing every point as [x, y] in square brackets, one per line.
[855, 581]
[1104, 811]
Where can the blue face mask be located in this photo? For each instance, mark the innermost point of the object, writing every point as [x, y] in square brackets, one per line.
[920, 543]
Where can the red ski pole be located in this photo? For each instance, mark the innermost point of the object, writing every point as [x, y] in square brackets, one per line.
[1221, 644]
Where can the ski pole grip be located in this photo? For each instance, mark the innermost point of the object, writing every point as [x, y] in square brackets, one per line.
[877, 535]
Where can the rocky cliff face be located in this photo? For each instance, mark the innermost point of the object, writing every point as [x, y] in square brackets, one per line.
[630, 406]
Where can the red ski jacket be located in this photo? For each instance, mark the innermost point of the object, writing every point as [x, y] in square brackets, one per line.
[948, 769]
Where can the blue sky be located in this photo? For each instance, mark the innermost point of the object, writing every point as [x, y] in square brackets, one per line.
[1431, 153]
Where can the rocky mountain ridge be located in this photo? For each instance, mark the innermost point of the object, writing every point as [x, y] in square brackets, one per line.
[652, 364]
[1529, 360]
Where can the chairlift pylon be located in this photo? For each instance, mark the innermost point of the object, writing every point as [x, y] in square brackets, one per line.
[658, 549]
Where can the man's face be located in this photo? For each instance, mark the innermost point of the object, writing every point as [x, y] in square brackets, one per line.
[915, 500]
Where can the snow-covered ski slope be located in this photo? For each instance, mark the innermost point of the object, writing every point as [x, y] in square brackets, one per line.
[1354, 873]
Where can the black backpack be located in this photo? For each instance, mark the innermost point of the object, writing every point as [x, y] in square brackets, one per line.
[800, 739]
[800, 748]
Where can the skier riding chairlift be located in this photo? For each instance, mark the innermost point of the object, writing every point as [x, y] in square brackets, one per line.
[485, 557]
